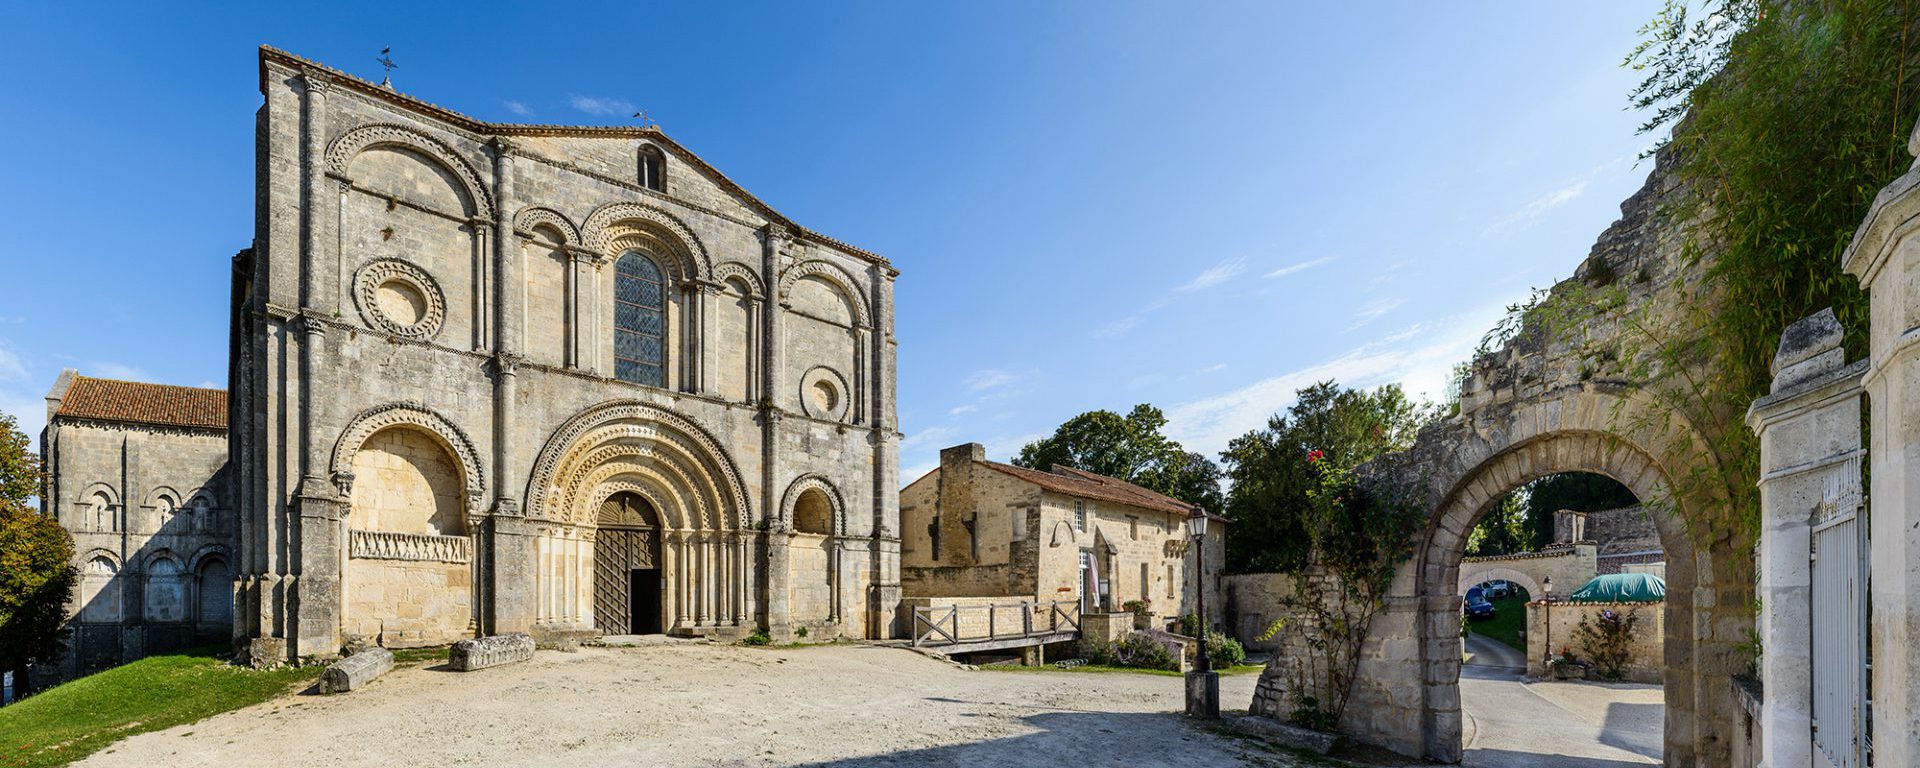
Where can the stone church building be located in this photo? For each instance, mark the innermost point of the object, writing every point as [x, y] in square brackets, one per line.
[492, 378]
[138, 473]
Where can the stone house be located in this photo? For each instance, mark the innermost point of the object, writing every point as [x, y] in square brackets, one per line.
[979, 528]
[139, 474]
[563, 380]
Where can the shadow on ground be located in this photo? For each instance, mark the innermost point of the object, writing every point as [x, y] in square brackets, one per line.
[1081, 737]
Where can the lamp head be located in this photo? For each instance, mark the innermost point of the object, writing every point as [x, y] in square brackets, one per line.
[1197, 522]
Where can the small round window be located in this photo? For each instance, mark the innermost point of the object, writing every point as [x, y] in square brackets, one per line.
[399, 298]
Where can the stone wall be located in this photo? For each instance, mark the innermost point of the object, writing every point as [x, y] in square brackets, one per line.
[153, 527]
[1570, 566]
[417, 268]
[1648, 638]
[1253, 602]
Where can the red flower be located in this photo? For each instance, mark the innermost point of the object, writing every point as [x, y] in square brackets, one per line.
[1314, 456]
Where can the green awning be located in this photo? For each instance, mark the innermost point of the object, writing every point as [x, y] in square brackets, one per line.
[1622, 588]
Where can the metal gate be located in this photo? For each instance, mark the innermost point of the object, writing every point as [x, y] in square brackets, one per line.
[1839, 652]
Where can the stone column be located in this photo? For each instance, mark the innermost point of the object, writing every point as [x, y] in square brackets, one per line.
[1809, 430]
[1885, 255]
[314, 291]
[773, 603]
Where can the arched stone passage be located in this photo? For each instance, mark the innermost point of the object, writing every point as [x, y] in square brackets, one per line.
[683, 477]
[1409, 672]
[1469, 577]
[408, 577]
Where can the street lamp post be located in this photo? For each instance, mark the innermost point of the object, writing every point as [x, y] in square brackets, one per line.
[1203, 684]
[1546, 586]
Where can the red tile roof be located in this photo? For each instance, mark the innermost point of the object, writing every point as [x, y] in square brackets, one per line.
[1084, 484]
[142, 403]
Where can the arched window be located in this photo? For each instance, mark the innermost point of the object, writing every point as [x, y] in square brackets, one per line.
[653, 169]
[813, 513]
[639, 320]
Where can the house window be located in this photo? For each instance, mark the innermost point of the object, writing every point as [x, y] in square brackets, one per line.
[639, 320]
[653, 169]
[1080, 516]
[1019, 519]
[1144, 583]
[1170, 580]
[1133, 528]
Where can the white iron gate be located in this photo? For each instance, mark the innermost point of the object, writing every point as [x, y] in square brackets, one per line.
[1839, 653]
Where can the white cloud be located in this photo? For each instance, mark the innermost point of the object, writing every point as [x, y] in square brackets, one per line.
[605, 106]
[11, 369]
[1300, 267]
[990, 378]
[934, 437]
[113, 370]
[1215, 368]
[1118, 327]
[962, 409]
[1372, 311]
[1214, 275]
[1420, 359]
[521, 109]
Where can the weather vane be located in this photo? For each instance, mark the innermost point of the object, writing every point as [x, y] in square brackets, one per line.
[386, 61]
[645, 121]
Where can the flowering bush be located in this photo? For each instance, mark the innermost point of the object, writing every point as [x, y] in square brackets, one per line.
[1608, 641]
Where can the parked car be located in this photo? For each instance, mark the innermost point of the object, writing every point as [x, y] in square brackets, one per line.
[1477, 608]
[1498, 589]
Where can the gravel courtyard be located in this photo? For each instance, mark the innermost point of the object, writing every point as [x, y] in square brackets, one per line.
[701, 704]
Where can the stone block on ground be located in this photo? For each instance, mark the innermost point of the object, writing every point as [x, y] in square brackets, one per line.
[356, 671]
[1286, 734]
[469, 655]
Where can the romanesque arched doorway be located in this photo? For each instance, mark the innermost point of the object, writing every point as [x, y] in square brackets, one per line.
[627, 567]
[639, 453]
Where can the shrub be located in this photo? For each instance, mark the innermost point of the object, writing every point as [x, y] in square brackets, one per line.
[1136, 606]
[1225, 652]
[1608, 641]
[800, 633]
[1138, 651]
[1190, 625]
[759, 637]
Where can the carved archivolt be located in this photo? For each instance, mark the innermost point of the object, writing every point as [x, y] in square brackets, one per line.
[600, 229]
[366, 295]
[635, 439]
[211, 550]
[813, 482]
[833, 274]
[733, 270]
[418, 416]
[531, 217]
[350, 144]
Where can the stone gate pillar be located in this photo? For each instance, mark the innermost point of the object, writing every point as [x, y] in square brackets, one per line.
[1885, 255]
[1809, 430]
[316, 586]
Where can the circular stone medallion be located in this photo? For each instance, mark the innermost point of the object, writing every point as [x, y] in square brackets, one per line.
[399, 298]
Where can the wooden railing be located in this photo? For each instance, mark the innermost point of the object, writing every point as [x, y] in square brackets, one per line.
[935, 625]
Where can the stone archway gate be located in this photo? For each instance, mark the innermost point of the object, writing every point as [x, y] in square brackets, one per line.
[1542, 404]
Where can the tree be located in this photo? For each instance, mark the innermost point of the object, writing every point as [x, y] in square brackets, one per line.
[1272, 478]
[36, 563]
[1130, 448]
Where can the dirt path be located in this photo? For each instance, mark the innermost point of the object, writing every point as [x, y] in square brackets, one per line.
[707, 705]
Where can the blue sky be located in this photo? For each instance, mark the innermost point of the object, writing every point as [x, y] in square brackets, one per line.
[1199, 205]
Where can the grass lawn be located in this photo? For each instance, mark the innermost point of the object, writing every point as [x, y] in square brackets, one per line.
[75, 719]
[1509, 616]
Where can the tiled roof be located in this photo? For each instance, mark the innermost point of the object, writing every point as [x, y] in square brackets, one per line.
[1075, 482]
[142, 403]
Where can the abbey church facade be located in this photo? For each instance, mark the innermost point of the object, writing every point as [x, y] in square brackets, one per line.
[490, 378]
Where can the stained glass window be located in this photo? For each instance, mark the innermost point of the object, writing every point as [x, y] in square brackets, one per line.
[639, 320]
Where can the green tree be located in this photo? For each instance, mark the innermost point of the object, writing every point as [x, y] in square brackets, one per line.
[36, 562]
[1504, 530]
[1131, 448]
[1272, 476]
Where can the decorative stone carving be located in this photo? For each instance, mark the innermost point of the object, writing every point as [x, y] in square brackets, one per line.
[418, 547]
[356, 671]
[535, 216]
[823, 394]
[399, 298]
[733, 270]
[571, 442]
[826, 270]
[392, 414]
[599, 233]
[469, 655]
[811, 482]
[341, 153]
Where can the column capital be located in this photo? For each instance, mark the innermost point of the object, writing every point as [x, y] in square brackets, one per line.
[316, 81]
